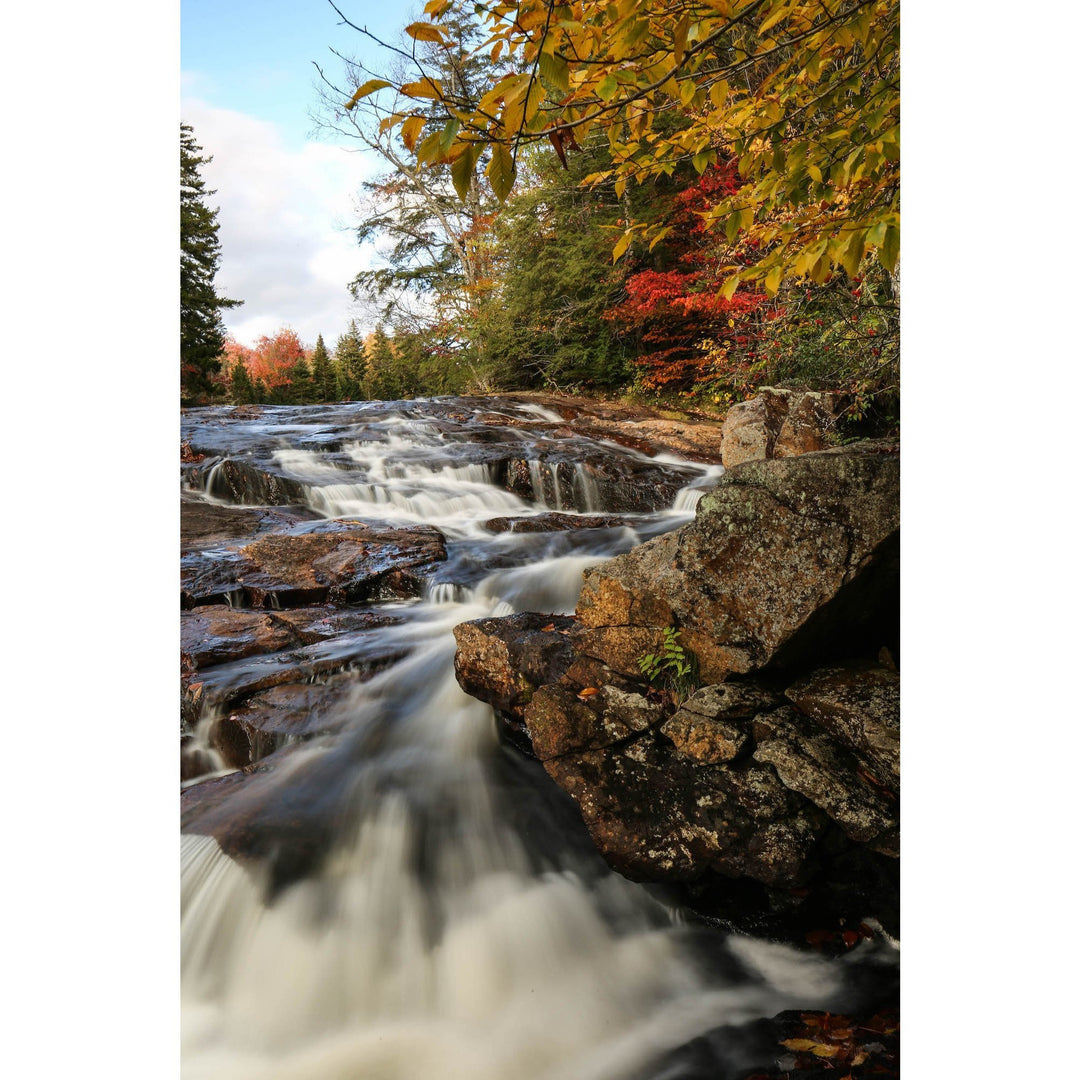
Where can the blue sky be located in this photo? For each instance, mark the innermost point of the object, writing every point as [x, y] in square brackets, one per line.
[286, 197]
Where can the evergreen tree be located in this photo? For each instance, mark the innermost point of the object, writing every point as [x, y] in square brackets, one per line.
[202, 332]
[352, 365]
[322, 373]
[302, 385]
[241, 390]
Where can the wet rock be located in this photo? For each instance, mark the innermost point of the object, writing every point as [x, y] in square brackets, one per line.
[787, 562]
[503, 660]
[356, 645]
[217, 634]
[777, 423]
[695, 441]
[655, 816]
[242, 482]
[553, 522]
[203, 523]
[281, 814]
[860, 708]
[808, 761]
[338, 561]
[269, 720]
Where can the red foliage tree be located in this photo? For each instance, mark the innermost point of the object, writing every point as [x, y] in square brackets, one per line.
[684, 327]
[274, 358]
[271, 360]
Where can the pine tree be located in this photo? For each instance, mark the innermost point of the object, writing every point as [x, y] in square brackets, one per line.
[322, 372]
[352, 365]
[302, 386]
[241, 390]
[202, 332]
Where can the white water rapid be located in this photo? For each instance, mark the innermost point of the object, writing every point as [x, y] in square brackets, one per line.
[460, 927]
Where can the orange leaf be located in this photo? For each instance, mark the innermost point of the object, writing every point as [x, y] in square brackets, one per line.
[550, 626]
[588, 692]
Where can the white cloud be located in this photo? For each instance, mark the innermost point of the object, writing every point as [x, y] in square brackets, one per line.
[284, 225]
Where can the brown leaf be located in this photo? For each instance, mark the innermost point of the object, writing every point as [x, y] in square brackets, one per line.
[557, 142]
[550, 626]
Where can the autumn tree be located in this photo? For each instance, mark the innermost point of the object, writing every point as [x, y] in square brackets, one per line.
[202, 332]
[802, 94]
[273, 359]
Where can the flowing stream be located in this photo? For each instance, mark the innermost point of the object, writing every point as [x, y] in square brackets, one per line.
[461, 927]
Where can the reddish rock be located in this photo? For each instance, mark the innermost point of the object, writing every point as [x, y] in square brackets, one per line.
[217, 634]
[268, 720]
[711, 725]
[777, 423]
[336, 562]
[503, 660]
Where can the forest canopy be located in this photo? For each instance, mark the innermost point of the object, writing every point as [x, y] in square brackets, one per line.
[682, 200]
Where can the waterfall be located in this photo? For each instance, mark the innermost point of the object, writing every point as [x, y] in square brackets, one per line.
[460, 925]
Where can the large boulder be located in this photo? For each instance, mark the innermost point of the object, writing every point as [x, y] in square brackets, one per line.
[777, 423]
[782, 769]
[786, 561]
[502, 661]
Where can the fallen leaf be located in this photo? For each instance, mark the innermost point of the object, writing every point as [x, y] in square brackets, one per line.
[550, 626]
[588, 692]
[809, 1046]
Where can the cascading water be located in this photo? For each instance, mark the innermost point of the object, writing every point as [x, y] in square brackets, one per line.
[459, 924]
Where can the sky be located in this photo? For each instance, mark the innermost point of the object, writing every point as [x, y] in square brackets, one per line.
[286, 197]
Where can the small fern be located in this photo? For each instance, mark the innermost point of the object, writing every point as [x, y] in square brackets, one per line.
[672, 667]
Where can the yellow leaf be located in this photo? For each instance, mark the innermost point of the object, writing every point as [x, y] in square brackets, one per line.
[425, 88]
[621, 246]
[679, 44]
[420, 31]
[808, 1045]
[555, 70]
[362, 92]
[410, 131]
[500, 171]
[773, 279]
